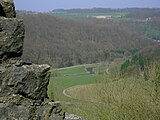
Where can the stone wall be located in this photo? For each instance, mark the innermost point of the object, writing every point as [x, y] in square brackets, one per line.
[23, 86]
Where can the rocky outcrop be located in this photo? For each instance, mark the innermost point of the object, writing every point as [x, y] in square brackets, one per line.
[23, 86]
[7, 8]
[30, 81]
[11, 39]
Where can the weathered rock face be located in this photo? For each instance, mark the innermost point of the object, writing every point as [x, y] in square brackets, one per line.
[30, 81]
[7, 8]
[23, 87]
[11, 38]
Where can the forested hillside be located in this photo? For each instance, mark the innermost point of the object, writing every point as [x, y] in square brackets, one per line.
[62, 42]
[151, 52]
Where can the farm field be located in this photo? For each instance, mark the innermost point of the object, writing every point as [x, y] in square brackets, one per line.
[84, 15]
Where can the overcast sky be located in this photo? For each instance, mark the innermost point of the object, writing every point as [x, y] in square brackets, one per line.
[48, 5]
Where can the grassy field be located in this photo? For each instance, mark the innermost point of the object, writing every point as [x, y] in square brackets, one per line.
[107, 97]
[68, 77]
[121, 100]
[82, 15]
[73, 71]
[121, 89]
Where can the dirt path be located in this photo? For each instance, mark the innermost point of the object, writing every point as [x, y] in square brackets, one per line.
[65, 94]
[81, 87]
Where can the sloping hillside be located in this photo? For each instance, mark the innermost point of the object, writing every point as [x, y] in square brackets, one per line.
[61, 42]
[151, 52]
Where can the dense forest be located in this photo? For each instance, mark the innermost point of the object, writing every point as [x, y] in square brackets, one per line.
[64, 42]
[151, 52]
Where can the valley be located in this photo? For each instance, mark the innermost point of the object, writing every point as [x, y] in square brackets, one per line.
[104, 62]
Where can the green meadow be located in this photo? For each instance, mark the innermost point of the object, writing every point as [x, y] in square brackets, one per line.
[83, 15]
[68, 77]
[106, 96]
[72, 70]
